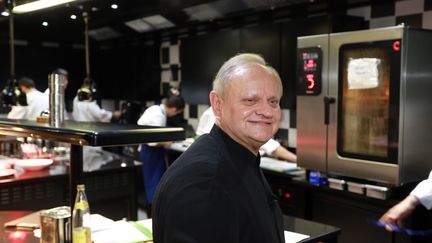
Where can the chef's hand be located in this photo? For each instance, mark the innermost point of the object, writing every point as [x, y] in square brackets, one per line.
[116, 115]
[398, 213]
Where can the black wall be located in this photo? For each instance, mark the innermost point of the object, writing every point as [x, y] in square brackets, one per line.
[130, 72]
[38, 62]
[201, 56]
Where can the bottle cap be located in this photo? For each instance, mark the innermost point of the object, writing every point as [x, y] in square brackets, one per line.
[81, 187]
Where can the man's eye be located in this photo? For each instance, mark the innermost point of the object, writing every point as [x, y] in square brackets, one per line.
[274, 102]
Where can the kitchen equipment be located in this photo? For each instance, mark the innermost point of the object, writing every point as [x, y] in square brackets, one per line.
[57, 84]
[337, 184]
[363, 104]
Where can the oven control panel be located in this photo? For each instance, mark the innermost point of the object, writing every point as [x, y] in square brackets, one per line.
[309, 67]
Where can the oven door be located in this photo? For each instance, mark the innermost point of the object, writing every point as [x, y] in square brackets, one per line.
[365, 78]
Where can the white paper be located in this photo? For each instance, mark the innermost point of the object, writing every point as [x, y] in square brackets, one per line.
[292, 237]
[363, 73]
[121, 232]
[99, 222]
[277, 165]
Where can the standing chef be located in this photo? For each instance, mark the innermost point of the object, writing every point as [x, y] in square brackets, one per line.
[36, 101]
[152, 155]
[90, 111]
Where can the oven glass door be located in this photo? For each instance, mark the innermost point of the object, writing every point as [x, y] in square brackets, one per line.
[368, 103]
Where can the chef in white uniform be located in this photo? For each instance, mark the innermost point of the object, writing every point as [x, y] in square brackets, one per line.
[272, 147]
[422, 194]
[36, 101]
[90, 111]
[152, 155]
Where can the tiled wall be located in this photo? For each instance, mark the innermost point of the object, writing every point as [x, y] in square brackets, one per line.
[416, 13]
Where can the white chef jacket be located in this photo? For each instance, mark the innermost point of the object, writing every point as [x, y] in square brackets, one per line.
[17, 112]
[155, 115]
[207, 121]
[89, 111]
[67, 115]
[423, 191]
[36, 103]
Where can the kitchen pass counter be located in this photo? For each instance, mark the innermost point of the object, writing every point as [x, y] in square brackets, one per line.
[296, 230]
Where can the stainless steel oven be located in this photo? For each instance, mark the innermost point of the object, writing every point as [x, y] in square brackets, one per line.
[364, 104]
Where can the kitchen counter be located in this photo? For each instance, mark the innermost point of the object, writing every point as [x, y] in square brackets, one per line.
[317, 232]
[79, 134]
[110, 179]
[91, 133]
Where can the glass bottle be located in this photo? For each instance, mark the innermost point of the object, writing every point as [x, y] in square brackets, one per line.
[81, 232]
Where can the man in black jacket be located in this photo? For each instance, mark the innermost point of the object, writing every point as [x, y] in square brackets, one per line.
[215, 191]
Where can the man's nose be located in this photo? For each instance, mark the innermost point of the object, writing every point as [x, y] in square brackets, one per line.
[265, 109]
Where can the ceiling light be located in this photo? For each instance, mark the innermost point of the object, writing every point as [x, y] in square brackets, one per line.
[203, 12]
[73, 16]
[5, 13]
[45, 23]
[158, 21]
[94, 9]
[36, 5]
[139, 25]
[114, 6]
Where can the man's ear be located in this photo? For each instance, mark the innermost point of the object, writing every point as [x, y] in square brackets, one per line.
[216, 103]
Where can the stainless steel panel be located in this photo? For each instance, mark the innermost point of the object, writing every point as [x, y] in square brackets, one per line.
[316, 143]
[416, 106]
[337, 164]
[311, 143]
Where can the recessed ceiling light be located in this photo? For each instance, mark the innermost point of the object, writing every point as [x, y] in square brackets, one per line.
[114, 6]
[45, 23]
[5, 13]
[94, 9]
[73, 16]
[36, 5]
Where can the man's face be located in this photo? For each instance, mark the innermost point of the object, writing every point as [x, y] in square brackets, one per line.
[24, 89]
[172, 111]
[249, 109]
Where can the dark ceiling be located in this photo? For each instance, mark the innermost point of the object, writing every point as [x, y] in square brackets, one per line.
[106, 23]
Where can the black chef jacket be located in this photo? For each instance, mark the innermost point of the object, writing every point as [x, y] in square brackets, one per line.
[216, 192]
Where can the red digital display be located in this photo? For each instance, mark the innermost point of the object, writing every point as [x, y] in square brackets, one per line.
[396, 46]
[310, 65]
[309, 71]
[311, 79]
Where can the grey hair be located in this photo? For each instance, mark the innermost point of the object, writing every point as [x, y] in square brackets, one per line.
[227, 70]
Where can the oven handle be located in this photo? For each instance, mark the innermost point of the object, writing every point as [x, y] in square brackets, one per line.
[327, 101]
